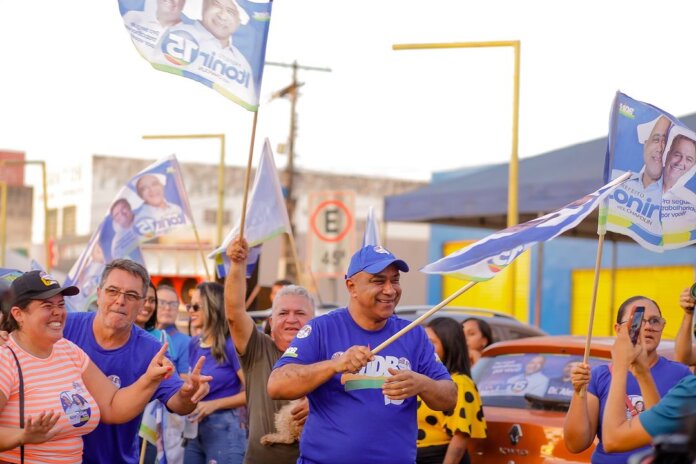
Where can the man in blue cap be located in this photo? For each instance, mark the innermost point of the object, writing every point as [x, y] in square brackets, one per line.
[362, 406]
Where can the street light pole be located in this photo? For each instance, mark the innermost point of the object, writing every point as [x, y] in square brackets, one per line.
[512, 209]
[292, 91]
[221, 170]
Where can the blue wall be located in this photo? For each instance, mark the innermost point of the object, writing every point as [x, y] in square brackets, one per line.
[561, 256]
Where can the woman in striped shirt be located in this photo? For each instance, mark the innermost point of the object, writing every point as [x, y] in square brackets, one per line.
[64, 394]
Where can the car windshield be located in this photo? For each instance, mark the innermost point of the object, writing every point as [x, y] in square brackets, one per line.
[527, 381]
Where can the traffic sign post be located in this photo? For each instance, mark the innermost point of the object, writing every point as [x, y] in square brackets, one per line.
[331, 232]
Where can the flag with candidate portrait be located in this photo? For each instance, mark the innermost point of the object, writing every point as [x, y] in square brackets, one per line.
[657, 205]
[222, 44]
[153, 203]
[266, 215]
[482, 260]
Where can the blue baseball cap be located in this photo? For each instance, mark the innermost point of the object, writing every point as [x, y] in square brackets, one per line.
[373, 259]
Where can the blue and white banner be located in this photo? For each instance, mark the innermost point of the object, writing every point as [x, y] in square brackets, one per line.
[223, 45]
[266, 215]
[657, 205]
[151, 204]
[371, 236]
[482, 260]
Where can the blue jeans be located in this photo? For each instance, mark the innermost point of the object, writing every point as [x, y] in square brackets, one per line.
[221, 439]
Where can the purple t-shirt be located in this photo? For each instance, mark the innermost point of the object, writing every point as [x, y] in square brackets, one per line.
[349, 411]
[666, 374]
[123, 366]
[225, 380]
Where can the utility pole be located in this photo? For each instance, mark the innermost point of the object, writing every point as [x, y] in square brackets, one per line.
[292, 92]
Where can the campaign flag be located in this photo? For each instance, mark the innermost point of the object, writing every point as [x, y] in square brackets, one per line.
[656, 207]
[151, 428]
[222, 46]
[482, 260]
[8, 275]
[371, 236]
[153, 203]
[266, 215]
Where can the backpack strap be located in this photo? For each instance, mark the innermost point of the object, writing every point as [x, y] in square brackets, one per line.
[21, 398]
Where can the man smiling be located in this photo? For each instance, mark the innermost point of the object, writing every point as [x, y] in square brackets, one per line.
[680, 158]
[122, 351]
[356, 397]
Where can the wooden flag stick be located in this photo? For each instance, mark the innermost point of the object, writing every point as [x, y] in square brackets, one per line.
[296, 258]
[254, 293]
[593, 302]
[142, 451]
[200, 249]
[423, 317]
[247, 176]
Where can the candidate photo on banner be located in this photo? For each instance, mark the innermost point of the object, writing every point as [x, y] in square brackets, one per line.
[219, 43]
[678, 212]
[161, 208]
[648, 207]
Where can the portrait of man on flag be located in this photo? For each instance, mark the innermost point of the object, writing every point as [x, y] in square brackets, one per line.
[222, 45]
[657, 205]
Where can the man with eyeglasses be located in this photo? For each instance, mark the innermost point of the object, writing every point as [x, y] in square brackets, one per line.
[167, 312]
[665, 410]
[122, 350]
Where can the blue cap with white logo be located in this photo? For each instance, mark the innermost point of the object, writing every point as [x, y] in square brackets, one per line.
[373, 259]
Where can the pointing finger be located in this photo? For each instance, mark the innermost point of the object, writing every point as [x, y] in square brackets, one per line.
[199, 366]
[160, 354]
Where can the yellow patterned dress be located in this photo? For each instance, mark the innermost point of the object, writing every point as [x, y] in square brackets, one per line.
[437, 427]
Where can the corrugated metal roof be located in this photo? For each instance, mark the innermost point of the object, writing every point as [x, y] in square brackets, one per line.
[479, 198]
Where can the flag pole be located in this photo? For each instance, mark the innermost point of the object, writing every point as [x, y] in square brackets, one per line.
[248, 175]
[200, 249]
[296, 257]
[415, 322]
[314, 284]
[593, 303]
[142, 451]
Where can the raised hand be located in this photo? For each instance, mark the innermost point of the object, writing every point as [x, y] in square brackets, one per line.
[160, 367]
[196, 385]
[402, 384]
[354, 359]
[686, 301]
[580, 376]
[41, 429]
[238, 250]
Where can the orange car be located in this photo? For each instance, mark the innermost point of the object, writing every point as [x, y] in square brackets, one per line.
[526, 391]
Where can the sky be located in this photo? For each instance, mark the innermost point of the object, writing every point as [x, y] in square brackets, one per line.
[72, 84]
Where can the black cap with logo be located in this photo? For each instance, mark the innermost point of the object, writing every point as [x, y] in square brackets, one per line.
[38, 285]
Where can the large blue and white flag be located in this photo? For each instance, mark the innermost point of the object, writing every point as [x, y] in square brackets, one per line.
[482, 260]
[657, 205]
[153, 203]
[222, 46]
[371, 236]
[266, 215]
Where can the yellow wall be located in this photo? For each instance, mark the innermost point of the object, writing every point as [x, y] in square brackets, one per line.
[662, 284]
[494, 293]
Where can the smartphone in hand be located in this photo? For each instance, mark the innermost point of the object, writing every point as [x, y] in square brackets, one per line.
[636, 323]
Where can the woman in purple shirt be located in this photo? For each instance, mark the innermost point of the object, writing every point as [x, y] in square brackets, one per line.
[221, 418]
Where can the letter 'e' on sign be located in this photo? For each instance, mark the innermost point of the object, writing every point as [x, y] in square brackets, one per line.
[331, 232]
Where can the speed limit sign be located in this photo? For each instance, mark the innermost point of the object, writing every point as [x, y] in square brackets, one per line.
[331, 232]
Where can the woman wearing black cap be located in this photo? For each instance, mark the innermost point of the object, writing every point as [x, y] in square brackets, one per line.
[50, 392]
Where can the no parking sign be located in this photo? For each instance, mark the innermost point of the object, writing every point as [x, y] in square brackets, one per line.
[331, 232]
